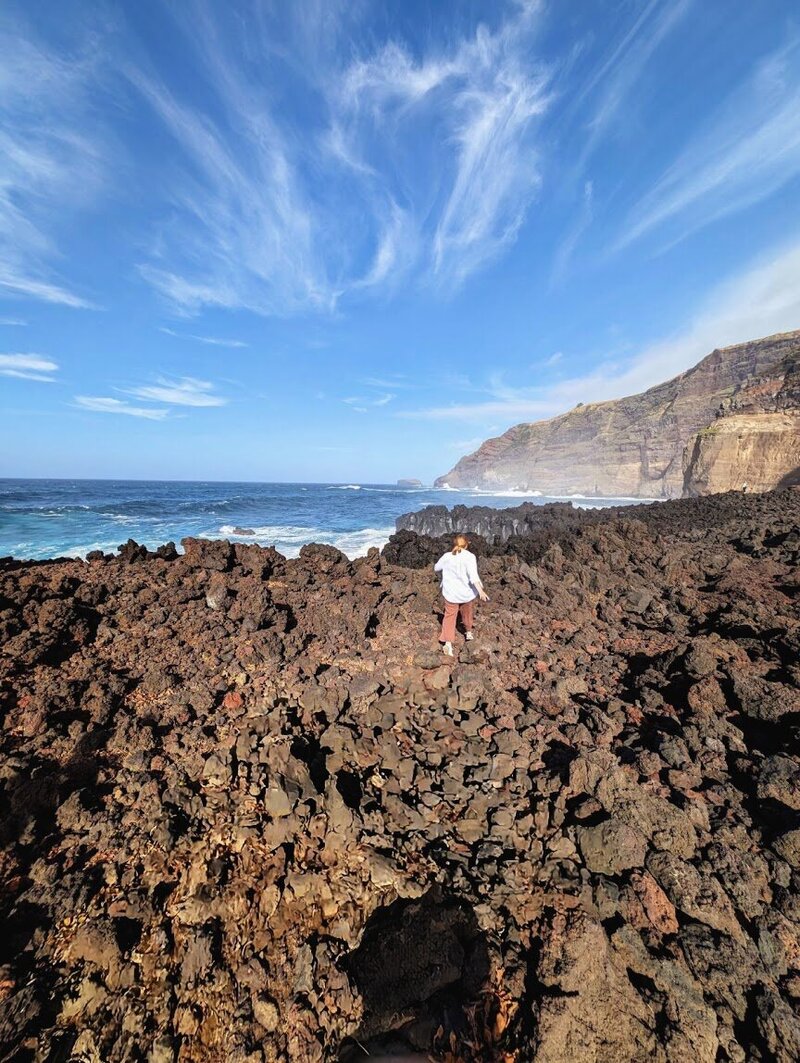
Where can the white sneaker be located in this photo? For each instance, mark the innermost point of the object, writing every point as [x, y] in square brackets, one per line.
[468, 636]
[447, 649]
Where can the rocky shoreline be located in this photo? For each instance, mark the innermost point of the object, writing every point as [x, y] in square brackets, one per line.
[249, 812]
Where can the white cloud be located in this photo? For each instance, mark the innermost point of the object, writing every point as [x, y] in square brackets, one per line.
[396, 249]
[44, 100]
[187, 391]
[520, 407]
[360, 404]
[747, 152]
[761, 300]
[611, 85]
[213, 341]
[389, 382]
[13, 321]
[28, 367]
[481, 98]
[104, 404]
[241, 220]
[265, 220]
[20, 283]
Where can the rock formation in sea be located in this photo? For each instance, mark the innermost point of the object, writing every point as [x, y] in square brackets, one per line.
[249, 813]
[732, 419]
[528, 529]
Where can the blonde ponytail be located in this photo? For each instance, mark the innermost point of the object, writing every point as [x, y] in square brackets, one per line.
[460, 542]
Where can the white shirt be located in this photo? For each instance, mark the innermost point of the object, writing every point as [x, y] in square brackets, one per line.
[459, 573]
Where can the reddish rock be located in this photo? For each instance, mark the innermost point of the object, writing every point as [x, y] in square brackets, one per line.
[221, 773]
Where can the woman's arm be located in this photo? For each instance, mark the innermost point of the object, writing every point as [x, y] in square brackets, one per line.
[475, 580]
[439, 564]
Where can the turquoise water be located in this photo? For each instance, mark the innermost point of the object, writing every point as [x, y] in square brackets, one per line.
[58, 518]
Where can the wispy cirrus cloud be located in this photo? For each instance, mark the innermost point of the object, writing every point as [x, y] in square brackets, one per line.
[264, 221]
[361, 404]
[502, 400]
[13, 321]
[186, 391]
[516, 403]
[28, 367]
[390, 382]
[44, 100]
[607, 90]
[163, 395]
[749, 150]
[241, 234]
[107, 404]
[212, 341]
[762, 299]
[481, 97]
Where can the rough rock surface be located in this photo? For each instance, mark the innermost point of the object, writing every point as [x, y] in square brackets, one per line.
[760, 450]
[528, 530]
[645, 445]
[249, 813]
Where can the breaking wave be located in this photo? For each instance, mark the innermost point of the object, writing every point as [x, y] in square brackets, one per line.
[289, 538]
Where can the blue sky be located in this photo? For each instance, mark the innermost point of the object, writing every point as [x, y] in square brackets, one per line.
[348, 241]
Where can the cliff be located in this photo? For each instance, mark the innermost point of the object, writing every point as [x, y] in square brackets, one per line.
[756, 451]
[249, 813]
[636, 446]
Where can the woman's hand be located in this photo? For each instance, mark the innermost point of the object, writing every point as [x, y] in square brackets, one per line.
[484, 597]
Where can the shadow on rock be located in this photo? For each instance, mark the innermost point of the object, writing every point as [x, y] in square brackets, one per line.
[419, 967]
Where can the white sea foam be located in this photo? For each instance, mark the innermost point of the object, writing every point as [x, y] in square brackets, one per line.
[356, 544]
[593, 501]
[510, 492]
[263, 531]
[289, 538]
[119, 518]
[612, 500]
[345, 487]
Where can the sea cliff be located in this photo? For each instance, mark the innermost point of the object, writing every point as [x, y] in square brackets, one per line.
[250, 813]
[653, 445]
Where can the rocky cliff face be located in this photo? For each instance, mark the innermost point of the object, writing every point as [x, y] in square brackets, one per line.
[756, 451]
[755, 440]
[635, 447]
[249, 813]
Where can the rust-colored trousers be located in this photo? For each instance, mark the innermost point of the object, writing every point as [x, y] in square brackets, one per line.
[451, 611]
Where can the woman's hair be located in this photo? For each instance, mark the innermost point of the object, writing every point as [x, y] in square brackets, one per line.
[460, 542]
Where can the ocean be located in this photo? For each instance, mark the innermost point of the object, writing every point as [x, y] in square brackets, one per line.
[68, 518]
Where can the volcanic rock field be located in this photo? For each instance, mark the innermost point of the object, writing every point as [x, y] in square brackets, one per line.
[250, 813]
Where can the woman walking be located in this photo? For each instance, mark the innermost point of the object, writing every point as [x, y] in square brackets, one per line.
[461, 585]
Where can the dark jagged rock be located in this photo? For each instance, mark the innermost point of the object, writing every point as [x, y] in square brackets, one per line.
[249, 813]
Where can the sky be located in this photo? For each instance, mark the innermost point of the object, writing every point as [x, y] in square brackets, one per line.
[347, 241]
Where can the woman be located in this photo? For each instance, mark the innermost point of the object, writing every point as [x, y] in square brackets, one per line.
[461, 585]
